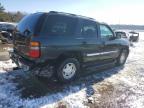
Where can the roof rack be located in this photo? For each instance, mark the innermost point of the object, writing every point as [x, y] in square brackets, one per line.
[71, 14]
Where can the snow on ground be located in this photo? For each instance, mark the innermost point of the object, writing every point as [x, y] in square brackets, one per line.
[118, 87]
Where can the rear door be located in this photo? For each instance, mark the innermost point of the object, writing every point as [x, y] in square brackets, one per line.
[110, 49]
[58, 35]
[90, 44]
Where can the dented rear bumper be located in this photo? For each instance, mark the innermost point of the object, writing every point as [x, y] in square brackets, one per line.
[40, 69]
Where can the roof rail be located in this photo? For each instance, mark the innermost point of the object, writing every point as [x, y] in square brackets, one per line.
[62, 13]
[71, 14]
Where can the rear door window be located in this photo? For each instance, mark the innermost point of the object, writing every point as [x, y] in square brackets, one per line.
[88, 29]
[58, 25]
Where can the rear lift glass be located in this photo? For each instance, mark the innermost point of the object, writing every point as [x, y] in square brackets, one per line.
[28, 23]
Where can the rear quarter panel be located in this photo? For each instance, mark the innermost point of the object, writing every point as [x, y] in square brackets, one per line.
[53, 46]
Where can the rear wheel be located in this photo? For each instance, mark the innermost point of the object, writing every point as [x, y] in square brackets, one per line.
[68, 70]
[122, 57]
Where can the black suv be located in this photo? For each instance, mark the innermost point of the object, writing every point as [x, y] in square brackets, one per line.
[62, 44]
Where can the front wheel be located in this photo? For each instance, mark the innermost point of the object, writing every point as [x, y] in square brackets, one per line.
[122, 57]
[68, 70]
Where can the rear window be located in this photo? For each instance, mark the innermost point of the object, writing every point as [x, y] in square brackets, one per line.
[28, 23]
[56, 25]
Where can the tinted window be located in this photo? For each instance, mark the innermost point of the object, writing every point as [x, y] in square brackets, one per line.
[89, 29]
[28, 23]
[56, 25]
[105, 32]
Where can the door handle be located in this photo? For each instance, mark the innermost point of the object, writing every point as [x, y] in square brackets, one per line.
[84, 43]
[103, 43]
[80, 38]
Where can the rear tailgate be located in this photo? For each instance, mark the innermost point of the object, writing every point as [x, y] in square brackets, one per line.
[21, 43]
[26, 29]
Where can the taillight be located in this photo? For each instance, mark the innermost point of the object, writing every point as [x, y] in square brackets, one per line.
[34, 50]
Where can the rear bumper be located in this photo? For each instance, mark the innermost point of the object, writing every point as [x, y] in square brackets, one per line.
[19, 60]
[41, 69]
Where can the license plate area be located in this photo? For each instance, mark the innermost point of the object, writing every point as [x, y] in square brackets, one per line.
[16, 60]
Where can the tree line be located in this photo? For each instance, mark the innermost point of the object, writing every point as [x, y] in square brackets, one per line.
[17, 16]
[127, 27]
[10, 16]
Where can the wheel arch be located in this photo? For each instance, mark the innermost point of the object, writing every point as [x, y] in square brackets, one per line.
[126, 48]
[70, 54]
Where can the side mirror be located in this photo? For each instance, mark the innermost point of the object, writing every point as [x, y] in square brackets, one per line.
[112, 38]
[118, 36]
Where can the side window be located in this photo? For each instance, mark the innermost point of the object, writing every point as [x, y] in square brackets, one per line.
[106, 33]
[58, 25]
[89, 29]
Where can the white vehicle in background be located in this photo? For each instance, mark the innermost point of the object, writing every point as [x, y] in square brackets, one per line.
[7, 26]
[6, 30]
[133, 36]
[122, 34]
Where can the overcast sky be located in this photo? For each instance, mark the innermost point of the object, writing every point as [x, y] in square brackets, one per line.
[109, 11]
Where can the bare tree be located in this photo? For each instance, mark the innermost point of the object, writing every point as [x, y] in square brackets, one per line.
[1, 8]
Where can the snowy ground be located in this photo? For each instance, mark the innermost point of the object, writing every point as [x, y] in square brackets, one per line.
[118, 87]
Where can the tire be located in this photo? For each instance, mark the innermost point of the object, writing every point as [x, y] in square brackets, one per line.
[68, 70]
[122, 57]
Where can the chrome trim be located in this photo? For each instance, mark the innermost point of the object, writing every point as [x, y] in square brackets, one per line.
[102, 53]
[80, 38]
[34, 48]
